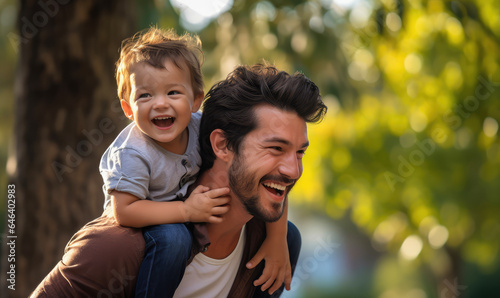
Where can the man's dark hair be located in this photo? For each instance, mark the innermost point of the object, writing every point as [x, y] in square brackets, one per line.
[229, 105]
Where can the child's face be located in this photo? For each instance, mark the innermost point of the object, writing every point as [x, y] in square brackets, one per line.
[161, 102]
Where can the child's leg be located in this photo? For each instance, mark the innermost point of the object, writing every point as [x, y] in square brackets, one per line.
[168, 248]
[294, 242]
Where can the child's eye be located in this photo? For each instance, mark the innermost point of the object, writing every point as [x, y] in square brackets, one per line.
[173, 92]
[144, 95]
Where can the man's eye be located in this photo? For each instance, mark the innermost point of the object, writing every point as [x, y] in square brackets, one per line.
[301, 153]
[277, 148]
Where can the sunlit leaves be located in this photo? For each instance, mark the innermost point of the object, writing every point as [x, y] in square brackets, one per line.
[409, 149]
[428, 123]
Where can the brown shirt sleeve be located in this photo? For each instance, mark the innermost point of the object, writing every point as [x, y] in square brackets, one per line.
[101, 260]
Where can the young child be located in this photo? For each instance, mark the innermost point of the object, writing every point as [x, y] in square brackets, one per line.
[149, 167]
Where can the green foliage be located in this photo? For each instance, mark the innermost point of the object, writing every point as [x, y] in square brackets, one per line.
[409, 149]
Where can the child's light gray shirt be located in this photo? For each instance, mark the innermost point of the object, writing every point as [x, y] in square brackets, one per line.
[134, 163]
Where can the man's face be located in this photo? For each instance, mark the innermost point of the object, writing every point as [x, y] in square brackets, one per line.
[269, 162]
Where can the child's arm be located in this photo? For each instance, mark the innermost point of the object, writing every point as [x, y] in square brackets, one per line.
[274, 250]
[202, 205]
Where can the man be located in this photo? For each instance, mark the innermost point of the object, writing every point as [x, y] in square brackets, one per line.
[253, 135]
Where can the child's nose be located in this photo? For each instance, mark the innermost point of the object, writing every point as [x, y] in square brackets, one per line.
[161, 102]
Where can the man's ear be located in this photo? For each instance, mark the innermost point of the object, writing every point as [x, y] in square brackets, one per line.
[198, 99]
[219, 145]
[127, 109]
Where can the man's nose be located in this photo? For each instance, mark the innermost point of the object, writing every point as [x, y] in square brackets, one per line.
[291, 167]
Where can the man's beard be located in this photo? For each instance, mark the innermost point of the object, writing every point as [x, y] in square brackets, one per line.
[244, 184]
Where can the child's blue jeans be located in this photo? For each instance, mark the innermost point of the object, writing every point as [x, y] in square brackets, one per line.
[168, 248]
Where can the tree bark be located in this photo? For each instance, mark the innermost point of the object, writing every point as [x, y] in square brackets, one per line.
[67, 113]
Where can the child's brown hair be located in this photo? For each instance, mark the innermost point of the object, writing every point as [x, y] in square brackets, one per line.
[153, 46]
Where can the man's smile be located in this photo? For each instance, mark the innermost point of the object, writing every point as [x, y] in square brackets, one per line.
[277, 189]
[274, 188]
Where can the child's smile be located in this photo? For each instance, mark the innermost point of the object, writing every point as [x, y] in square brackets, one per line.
[163, 122]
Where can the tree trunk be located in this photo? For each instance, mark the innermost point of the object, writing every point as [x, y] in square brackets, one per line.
[67, 113]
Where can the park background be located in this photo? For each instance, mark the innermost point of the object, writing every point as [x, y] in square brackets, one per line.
[401, 185]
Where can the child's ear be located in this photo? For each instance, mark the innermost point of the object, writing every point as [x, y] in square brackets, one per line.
[127, 109]
[219, 145]
[198, 99]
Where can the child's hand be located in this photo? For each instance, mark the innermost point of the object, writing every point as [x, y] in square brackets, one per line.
[277, 265]
[205, 205]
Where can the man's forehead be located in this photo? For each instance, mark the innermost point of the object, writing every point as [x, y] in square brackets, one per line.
[276, 118]
[277, 124]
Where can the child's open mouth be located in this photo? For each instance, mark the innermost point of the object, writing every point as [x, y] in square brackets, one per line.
[163, 121]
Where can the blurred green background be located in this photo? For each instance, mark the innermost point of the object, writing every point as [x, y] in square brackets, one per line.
[400, 195]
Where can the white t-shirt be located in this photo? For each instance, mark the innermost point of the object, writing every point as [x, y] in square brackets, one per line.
[207, 277]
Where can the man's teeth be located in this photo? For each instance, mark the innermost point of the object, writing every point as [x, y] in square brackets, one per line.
[275, 186]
